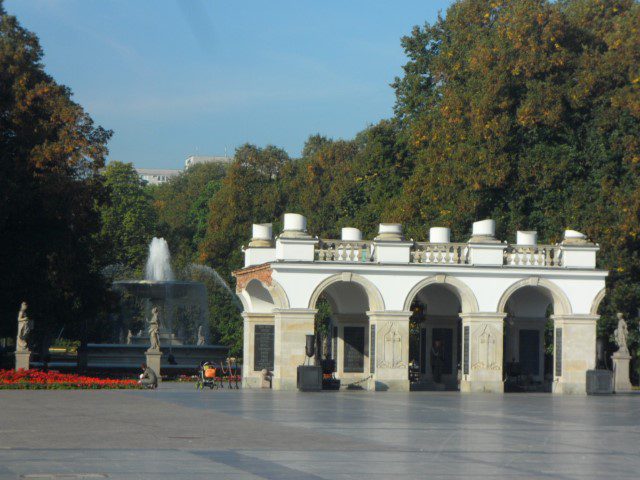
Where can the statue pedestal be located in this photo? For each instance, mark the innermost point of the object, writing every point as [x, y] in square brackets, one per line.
[621, 382]
[153, 361]
[22, 359]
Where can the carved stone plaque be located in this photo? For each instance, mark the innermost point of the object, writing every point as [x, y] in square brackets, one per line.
[558, 352]
[465, 366]
[372, 350]
[390, 343]
[485, 354]
[263, 347]
[354, 349]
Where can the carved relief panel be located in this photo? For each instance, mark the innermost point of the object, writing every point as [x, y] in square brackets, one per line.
[390, 347]
[486, 341]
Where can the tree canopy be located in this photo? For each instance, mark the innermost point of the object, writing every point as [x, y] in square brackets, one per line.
[128, 217]
[51, 153]
[528, 112]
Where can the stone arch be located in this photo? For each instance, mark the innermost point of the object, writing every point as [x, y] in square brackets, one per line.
[561, 303]
[278, 296]
[376, 303]
[467, 298]
[597, 300]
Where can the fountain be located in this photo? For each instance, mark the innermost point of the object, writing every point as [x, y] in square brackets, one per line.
[175, 305]
[160, 290]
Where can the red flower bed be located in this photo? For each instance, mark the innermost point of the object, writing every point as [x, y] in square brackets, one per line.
[36, 379]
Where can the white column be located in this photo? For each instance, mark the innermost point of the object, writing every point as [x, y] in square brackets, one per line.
[291, 328]
[482, 337]
[391, 349]
[251, 377]
[574, 352]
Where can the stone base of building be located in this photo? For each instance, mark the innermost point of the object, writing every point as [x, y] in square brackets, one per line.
[570, 388]
[477, 386]
[23, 360]
[284, 384]
[153, 362]
[391, 385]
[251, 382]
[621, 382]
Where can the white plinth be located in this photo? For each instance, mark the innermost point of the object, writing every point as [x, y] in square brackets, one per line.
[621, 382]
[153, 361]
[22, 360]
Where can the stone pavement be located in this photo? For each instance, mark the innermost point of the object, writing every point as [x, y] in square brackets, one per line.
[179, 433]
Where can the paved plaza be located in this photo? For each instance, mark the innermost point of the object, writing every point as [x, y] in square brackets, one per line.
[179, 433]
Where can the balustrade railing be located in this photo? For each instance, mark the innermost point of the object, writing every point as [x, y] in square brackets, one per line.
[440, 253]
[343, 251]
[534, 256]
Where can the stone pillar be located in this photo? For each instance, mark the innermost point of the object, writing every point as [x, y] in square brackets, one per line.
[482, 345]
[621, 381]
[291, 328]
[23, 358]
[153, 361]
[389, 352]
[574, 352]
[252, 374]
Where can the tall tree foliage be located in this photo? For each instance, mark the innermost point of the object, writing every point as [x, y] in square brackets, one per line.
[250, 193]
[50, 153]
[528, 111]
[183, 208]
[128, 218]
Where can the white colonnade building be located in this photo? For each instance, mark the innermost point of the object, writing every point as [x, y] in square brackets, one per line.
[497, 309]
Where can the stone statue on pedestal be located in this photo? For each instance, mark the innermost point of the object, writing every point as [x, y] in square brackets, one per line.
[129, 337]
[24, 328]
[154, 328]
[201, 338]
[621, 358]
[621, 334]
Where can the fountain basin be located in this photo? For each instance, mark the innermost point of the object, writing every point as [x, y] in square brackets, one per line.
[160, 290]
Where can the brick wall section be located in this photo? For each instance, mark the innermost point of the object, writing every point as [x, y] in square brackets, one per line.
[259, 272]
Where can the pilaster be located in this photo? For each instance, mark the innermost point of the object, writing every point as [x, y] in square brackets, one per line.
[574, 352]
[252, 378]
[291, 327]
[482, 352]
[389, 350]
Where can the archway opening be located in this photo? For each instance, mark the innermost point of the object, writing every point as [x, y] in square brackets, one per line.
[259, 298]
[528, 340]
[435, 338]
[342, 333]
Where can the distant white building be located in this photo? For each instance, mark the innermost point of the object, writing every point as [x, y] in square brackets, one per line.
[197, 159]
[157, 176]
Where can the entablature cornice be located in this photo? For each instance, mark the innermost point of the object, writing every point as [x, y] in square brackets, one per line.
[422, 269]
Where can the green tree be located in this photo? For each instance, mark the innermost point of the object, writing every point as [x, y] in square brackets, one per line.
[251, 192]
[128, 218]
[51, 154]
[183, 208]
[319, 183]
[528, 111]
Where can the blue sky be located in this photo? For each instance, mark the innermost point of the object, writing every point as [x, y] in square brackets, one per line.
[180, 77]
